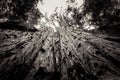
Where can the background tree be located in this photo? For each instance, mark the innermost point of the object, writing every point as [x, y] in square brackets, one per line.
[104, 13]
[19, 10]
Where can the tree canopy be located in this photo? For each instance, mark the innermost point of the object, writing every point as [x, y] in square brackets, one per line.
[19, 10]
[104, 13]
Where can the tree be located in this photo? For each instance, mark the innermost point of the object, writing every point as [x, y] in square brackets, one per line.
[20, 12]
[17, 9]
[104, 13]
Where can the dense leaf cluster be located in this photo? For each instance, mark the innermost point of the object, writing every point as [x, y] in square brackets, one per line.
[105, 13]
[18, 10]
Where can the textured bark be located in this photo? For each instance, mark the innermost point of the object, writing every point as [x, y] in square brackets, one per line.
[63, 55]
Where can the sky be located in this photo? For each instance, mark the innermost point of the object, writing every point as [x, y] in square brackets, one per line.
[49, 6]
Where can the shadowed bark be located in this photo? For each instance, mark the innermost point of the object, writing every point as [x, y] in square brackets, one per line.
[63, 55]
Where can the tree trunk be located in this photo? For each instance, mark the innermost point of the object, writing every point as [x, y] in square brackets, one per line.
[62, 55]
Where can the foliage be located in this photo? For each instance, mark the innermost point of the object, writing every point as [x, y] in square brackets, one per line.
[18, 10]
[104, 13]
